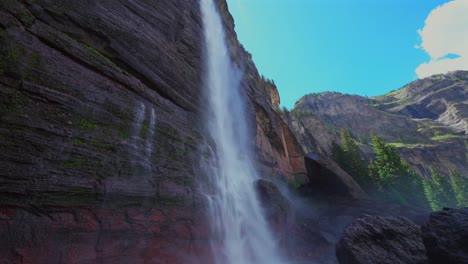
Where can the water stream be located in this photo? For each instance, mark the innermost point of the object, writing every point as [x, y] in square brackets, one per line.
[238, 223]
[141, 144]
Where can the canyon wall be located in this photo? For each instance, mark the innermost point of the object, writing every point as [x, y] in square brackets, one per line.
[102, 129]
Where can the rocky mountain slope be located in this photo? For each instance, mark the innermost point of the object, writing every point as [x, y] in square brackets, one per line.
[426, 120]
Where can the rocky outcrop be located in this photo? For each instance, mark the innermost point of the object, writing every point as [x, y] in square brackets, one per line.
[279, 154]
[425, 120]
[374, 239]
[446, 236]
[327, 178]
[101, 109]
[439, 97]
[311, 132]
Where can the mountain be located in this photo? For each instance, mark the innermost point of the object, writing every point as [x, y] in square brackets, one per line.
[102, 136]
[426, 120]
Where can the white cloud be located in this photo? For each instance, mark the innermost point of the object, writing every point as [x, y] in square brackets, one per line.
[445, 32]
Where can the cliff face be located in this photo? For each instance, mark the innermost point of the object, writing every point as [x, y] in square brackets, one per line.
[426, 121]
[101, 124]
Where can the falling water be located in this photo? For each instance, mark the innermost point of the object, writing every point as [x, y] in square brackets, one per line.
[149, 137]
[141, 144]
[236, 215]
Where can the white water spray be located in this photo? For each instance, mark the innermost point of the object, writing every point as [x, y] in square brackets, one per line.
[141, 143]
[237, 218]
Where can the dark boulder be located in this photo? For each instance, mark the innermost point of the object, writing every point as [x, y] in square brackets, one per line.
[445, 236]
[326, 177]
[375, 239]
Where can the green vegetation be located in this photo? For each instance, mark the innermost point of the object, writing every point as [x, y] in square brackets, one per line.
[269, 81]
[446, 192]
[86, 124]
[348, 156]
[437, 191]
[301, 113]
[123, 132]
[93, 50]
[466, 151]
[332, 129]
[387, 177]
[297, 181]
[460, 188]
[403, 145]
[445, 136]
[393, 177]
[99, 54]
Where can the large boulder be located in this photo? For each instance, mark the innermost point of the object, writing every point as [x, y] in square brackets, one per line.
[446, 236]
[375, 239]
[326, 177]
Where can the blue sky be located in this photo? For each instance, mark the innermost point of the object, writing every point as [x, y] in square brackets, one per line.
[365, 47]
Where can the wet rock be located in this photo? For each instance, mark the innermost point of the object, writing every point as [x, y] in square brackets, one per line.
[375, 239]
[278, 208]
[445, 236]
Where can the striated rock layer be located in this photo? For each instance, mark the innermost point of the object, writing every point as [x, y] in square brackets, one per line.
[101, 126]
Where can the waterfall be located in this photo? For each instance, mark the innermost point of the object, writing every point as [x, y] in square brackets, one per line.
[238, 223]
[141, 143]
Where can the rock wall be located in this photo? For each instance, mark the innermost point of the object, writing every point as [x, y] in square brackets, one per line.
[101, 124]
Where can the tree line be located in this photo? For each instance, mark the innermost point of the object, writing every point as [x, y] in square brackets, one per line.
[388, 177]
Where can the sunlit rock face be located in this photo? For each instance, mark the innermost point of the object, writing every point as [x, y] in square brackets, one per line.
[100, 109]
[426, 120]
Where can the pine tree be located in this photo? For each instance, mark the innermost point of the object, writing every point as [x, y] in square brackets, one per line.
[429, 192]
[357, 166]
[387, 162]
[395, 179]
[348, 156]
[439, 191]
[338, 155]
[460, 188]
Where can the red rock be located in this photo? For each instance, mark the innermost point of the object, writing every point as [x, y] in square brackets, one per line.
[157, 216]
[177, 213]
